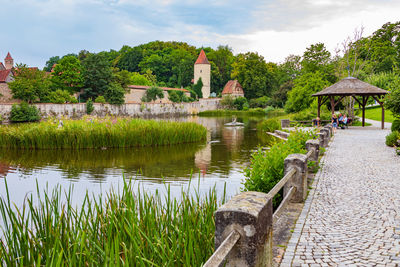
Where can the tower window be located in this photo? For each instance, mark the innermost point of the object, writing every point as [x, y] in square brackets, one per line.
[201, 71]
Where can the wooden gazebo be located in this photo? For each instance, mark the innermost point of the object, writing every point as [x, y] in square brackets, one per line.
[351, 86]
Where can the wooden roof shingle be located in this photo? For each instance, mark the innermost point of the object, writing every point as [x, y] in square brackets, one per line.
[351, 86]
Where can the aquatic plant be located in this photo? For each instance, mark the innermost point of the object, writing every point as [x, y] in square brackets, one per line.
[132, 229]
[99, 133]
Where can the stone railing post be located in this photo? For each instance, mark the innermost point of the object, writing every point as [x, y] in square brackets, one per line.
[250, 214]
[285, 123]
[321, 139]
[327, 136]
[299, 162]
[313, 145]
[330, 128]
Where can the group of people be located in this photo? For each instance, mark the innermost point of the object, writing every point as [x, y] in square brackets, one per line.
[339, 121]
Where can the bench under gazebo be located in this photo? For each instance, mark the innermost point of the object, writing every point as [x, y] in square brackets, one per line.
[353, 87]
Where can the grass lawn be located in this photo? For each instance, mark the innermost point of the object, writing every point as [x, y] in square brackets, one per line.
[375, 113]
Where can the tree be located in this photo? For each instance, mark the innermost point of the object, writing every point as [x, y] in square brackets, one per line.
[253, 74]
[197, 88]
[221, 67]
[30, 84]
[307, 84]
[152, 94]
[139, 79]
[318, 58]
[97, 74]
[50, 63]
[67, 75]
[122, 77]
[115, 94]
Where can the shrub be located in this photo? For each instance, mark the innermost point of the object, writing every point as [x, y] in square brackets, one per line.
[266, 167]
[152, 94]
[396, 125]
[239, 102]
[24, 113]
[269, 125]
[89, 106]
[115, 94]
[177, 96]
[260, 102]
[391, 139]
[60, 97]
[227, 101]
[100, 99]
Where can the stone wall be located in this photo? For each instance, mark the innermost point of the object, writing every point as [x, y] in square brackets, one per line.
[130, 109]
[6, 95]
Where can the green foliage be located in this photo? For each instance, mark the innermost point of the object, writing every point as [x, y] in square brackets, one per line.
[317, 58]
[396, 125]
[385, 80]
[50, 63]
[24, 113]
[100, 133]
[115, 94]
[256, 112]
[261, 102]
[89, 106]
[221, 67]
[197, 88]
[307, 84]
[228, 101]
[269, 125]
[30, 84]
[254, 75]
[60, 97]
[100, 99]
[128, 227]
[138, 79]
[266, 168]
[177, 96]
[97, 74]
[391, 139]
[240, 102]
[392, 102]
[67, 75]
[152, 94]
[122, 78]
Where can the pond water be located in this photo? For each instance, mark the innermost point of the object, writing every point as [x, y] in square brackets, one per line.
[217, 162]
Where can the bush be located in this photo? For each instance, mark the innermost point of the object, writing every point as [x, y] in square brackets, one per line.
[152, 94]
[391, 139]
[115, 94]
[24, 113]
[269, 125]
[396, 125]
[240, 102]
[89, 106]
[266, 168]
[177, 96]
[60, 97]
[100, 99]
[260, 102]
[227, 101]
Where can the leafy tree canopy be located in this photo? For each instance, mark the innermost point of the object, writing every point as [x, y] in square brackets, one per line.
[67, 75]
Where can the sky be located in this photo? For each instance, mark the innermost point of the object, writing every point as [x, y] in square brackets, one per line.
[35, 30]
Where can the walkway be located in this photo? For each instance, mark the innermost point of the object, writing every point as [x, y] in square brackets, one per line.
[352, 214]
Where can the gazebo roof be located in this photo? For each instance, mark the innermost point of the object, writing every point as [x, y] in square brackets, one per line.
[351, 86]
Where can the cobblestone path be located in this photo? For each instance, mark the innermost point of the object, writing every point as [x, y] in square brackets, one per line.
[352, 215]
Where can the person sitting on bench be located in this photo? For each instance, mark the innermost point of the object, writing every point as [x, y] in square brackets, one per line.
[344, 121]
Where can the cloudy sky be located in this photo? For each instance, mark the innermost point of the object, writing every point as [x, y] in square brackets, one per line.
[34, 30]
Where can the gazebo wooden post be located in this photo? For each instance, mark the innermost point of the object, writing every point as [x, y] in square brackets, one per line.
[319, 106]
[383, 117]
[333, 104]
[364, 103]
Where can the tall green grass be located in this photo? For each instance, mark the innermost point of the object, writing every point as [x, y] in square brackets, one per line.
[99, 133]
[132, 229]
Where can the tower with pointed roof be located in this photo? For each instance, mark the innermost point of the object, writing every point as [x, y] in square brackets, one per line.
[9, 62]
[202, 69]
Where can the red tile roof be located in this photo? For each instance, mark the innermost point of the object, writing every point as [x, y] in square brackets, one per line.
[3, 75]
[8, 56]
[202, 59]
[2, 66]
[233, 87]
[143, 87]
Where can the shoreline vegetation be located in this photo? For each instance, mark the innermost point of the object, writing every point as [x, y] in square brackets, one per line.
[123, 228]
[99, 133]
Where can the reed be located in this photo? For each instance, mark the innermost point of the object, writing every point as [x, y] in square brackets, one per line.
[132, 229]
[99, 133]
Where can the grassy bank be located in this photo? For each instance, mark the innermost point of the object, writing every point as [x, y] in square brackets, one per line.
[99, 133]
[375, 113]
[135, 229]
[229, 112]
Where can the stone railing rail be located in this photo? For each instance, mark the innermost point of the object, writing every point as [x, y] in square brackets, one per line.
[243, 225]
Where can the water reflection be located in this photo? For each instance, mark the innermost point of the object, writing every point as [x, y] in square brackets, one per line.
[221, 158]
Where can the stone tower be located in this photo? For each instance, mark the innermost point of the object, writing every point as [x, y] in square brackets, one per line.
[202, 69]
[9, 62]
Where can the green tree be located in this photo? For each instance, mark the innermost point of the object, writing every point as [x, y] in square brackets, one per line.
[67, 75]
[299, 98]
[30, 84]
[97, 74]
[197, 88]
[139, 79]
[122, 77]
[152, 94]
[221, 67]
[129, 58]
[60, 97]
[253, 74]
[318, 58]
[50, 63]
[115, 94]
